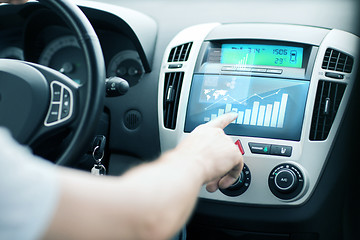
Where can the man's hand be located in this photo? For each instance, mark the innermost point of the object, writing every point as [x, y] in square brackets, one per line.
[219, 157]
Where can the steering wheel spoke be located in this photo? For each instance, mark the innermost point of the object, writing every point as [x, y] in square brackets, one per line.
[38, 103]
[64, 97]
[63, 103]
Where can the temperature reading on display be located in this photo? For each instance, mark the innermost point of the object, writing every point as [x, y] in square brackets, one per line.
[262, 55]
[279, 60]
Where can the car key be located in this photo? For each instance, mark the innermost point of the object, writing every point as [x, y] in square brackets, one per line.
[98, 154]
[98, 145]
[98, 168]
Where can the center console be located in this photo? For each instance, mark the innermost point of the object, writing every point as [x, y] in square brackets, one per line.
[289, 85]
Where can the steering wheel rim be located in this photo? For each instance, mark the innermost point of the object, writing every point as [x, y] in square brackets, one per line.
[95, 84]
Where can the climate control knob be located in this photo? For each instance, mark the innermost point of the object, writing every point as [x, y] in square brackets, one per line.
[240, 185]
[286, 181]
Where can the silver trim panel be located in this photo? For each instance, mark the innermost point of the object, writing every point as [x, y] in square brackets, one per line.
[309, 156]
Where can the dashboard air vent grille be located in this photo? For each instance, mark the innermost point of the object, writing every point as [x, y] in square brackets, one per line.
[180, 53]
[172, 90]
[328, 98]
[337, 61]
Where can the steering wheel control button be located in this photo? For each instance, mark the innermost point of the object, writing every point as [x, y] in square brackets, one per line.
[54, 113]
[281, 150]
[61, 104]
[65, 110]
[286, 181]
[56, 93]
[240, 185]
[260, 148]
[238, 143]
[66, 95]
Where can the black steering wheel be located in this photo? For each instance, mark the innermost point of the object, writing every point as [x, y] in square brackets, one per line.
[37, 102]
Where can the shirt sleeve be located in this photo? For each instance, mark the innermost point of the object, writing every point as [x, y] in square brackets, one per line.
[29, 191]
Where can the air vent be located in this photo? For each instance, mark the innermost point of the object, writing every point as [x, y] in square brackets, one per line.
[180, 53]
[172, 89]
[328, 98]
[337, 61]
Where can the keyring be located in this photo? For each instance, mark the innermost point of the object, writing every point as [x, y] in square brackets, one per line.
[98, 161]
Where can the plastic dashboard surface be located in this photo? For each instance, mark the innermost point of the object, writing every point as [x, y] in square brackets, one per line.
[288, 115]
[45, 42]
[128, 41]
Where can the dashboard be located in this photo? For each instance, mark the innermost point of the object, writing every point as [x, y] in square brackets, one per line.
[288, 69]
[289, 93]
[51, 43]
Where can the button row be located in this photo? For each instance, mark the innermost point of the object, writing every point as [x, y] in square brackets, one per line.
[279, 150]
[61, 104]
[254, 70]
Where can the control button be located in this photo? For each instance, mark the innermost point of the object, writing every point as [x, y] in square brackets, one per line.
[228, 68]
[238, 143]
[174, 66]
[285, 180]
[66, 104]
[56, 92]
[260, 148]
[241, 184]
[334, 75]
[274, 71]
[66, 95]
[281, 150]
[65, 109]
[61, 105]
[54, 113]
[259, 70]
[243, 69]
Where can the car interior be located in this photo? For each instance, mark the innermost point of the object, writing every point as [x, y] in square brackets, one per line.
[125, 81]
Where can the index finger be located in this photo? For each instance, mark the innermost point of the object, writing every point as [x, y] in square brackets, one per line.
[223, 120]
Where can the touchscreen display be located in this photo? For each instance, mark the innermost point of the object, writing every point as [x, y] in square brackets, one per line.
[259, 54]
[266, 107]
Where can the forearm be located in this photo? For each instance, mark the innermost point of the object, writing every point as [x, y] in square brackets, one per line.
[168, 192]
[151, 201]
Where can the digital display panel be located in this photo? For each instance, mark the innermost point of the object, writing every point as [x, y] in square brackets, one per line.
[260, 54]
[266, 107]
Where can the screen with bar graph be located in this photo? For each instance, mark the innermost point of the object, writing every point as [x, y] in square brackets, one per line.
[266, 107]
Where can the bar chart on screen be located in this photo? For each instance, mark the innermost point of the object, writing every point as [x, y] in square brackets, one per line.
[256, 110]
